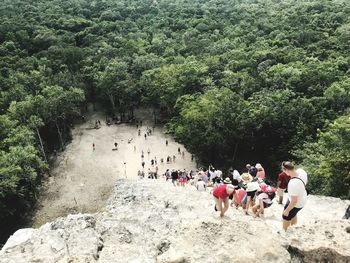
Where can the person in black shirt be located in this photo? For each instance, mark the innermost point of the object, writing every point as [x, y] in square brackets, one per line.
[251, 170]
[174, 176]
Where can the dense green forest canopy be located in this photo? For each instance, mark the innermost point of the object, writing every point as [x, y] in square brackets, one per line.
[237, 81]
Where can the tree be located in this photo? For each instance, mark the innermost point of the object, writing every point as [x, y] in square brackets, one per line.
[327, 159]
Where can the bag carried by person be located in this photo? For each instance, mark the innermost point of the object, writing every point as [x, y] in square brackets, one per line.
[306, 189]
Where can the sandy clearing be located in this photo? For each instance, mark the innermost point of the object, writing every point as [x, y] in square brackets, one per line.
[82, 179]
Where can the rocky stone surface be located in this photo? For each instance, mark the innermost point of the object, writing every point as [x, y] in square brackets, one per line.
[152, 221]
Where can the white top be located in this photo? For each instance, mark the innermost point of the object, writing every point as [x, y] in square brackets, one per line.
[264, 197]
[211, 175]
[252, 186]
[297, 188]
[302, 175]
[237, 176]
[218, 173]
[201, 186]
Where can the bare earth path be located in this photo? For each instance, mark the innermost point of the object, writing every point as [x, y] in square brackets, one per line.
[82, 179]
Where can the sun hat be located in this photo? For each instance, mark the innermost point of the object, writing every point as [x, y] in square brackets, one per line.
[258, 166]
[246, 177]
[227, 181]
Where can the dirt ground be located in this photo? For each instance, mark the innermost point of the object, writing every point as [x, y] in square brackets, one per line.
[82, 179]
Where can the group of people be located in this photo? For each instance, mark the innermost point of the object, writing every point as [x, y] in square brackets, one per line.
[252, 190]
[155, 161]
[147, 133]
[249, 190]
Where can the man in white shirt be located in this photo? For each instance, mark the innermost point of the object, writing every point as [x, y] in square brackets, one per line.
[297, 194]
[217, 174]
[201, 185]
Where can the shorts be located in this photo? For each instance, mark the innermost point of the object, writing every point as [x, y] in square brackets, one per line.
[251, 194]
[292, 213]
[217, 201]
[244, 200]
[280, 192]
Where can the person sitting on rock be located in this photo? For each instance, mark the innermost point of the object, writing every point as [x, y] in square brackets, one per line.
[221, 197]
[264, 199]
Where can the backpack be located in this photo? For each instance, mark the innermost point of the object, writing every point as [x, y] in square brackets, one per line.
[307, 190]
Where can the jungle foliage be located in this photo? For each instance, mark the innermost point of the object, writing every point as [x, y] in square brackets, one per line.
[238, 80]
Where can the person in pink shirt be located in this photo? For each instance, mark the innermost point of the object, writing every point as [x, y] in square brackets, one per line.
[240, 198]
[261, 172]
[221, 197]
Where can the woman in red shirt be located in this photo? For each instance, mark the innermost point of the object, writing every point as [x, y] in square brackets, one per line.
[221, 196]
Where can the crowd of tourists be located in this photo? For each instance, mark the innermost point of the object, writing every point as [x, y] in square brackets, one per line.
[249, 190]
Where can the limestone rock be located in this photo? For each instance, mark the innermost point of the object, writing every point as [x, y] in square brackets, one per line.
[153, 221]
[71, 238]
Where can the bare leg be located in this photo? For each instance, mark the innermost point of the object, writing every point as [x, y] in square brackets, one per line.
[294, 220]
[280, 200]
[286, 224]
[247, 206]
[225, 208]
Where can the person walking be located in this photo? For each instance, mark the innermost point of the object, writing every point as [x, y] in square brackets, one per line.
[297, 195]
[251, 188]
[282, 183]
[201, 186]
[93, 146]
[166, 142]
[143, 165]
[174, 177]
[221, 197]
